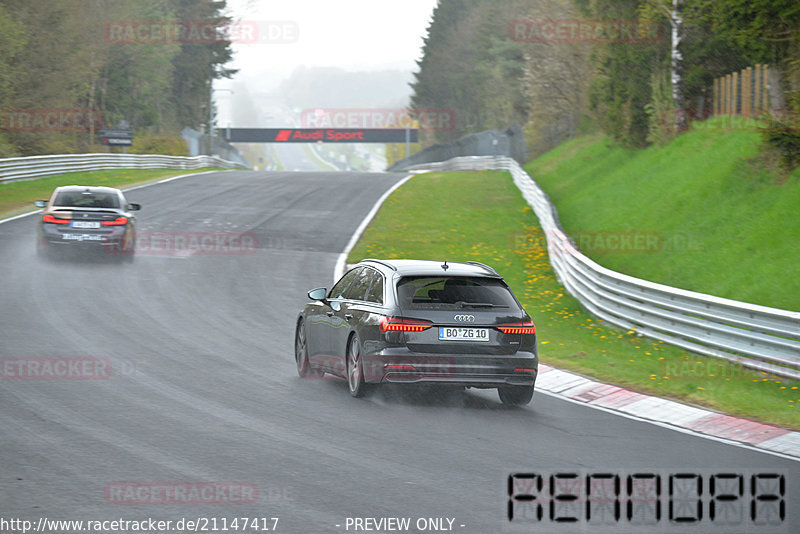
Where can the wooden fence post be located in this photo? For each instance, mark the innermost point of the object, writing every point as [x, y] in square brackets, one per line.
[749, 91]
[757, 89]
[744, 93]
[725, 91]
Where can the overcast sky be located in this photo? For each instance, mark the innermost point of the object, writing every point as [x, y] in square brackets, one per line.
[353, 34]
[356, 35]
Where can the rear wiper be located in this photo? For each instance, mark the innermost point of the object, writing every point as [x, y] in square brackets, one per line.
[462, 304]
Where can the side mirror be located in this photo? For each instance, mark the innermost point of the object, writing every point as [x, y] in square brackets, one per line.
[133, 206]
[318, 294]
[40, 203]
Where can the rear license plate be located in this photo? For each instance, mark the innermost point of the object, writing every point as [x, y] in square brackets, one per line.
[85, 224]
[82, 237]
[458, 333]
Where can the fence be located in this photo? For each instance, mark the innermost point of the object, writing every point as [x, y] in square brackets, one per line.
[743, 93]
[37, 166]
[758, 337]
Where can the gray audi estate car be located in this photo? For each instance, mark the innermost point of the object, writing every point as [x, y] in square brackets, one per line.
[419, 322]
[78, 215]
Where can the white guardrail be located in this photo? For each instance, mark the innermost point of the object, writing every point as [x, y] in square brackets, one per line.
[758, 337]
[12, 169]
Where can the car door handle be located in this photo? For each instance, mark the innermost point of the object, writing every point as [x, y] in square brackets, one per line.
[348, 316]
[329, 313]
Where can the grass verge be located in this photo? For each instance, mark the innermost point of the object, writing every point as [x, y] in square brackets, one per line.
[482, 216]
[710, 213]
[18, 197]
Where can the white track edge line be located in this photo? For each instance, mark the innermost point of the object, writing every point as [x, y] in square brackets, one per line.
[15, 217]
[669, 426]
[338, 271]
[9, 219]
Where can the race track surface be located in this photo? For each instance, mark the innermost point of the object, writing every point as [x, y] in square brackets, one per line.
[203, 386]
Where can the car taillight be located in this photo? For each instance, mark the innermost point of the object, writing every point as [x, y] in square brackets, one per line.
[117, 221]
[518, 328]
[397, 324]
[50, 219]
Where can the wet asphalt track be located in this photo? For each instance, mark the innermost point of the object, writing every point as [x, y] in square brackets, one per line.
[203, 385]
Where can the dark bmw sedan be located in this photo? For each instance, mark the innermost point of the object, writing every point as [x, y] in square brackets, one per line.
[87, 216]
[419, 322]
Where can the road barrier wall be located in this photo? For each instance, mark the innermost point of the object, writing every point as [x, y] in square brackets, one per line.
[12, 169]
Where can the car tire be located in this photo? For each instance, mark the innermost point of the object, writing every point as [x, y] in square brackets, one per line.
[301, 354]
[515, 395]
[355, 369]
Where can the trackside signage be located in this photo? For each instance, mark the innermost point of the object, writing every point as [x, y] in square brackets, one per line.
[321, 135]
[116, 137]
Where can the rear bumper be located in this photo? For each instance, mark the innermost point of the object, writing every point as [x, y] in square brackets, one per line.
[57, 235]
[465, 379]
[400, 366]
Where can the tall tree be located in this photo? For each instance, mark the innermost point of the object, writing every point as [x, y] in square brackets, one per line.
[12, 41]
[673, 10]
[767, 31]
[487, 78]
[195, 66]
[621, 88]
[58, 55]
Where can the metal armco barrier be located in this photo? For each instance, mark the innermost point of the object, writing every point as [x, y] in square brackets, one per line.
[758, 337]
[36, 166]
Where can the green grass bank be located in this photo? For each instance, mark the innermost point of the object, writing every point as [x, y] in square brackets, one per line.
[710, 215]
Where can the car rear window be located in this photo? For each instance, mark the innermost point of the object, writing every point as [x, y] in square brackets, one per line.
[451, 292]
[86, 199]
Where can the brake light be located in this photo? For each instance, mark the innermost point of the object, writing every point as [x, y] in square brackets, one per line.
[401, 367]
[117, 221]
[50, 219]
[396, 324]
[524, 370]
[518, 328]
